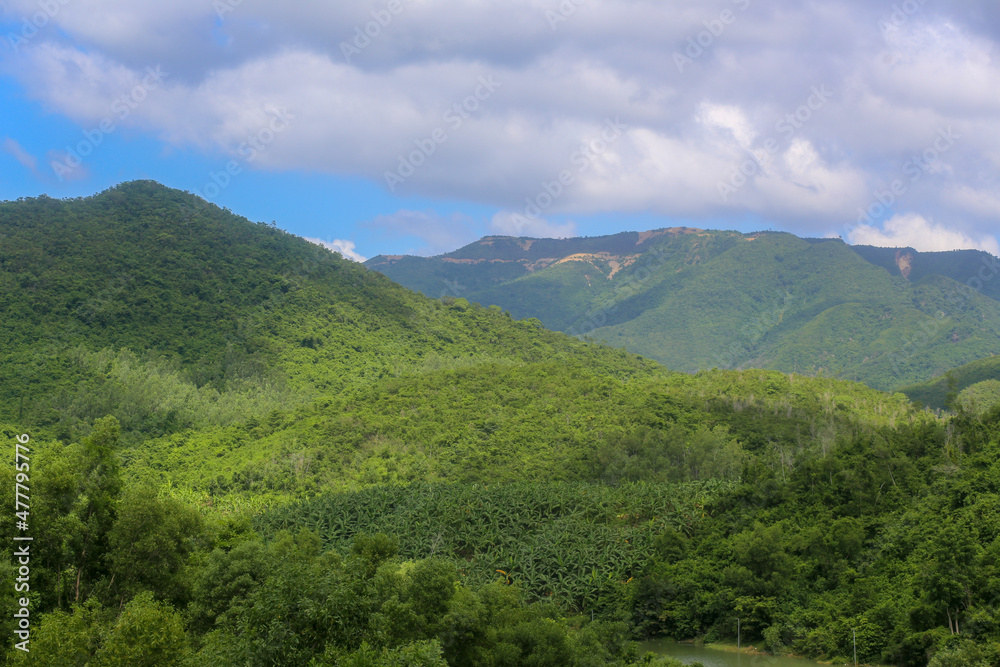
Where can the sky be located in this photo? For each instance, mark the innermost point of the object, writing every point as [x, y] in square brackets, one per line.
[416, 127]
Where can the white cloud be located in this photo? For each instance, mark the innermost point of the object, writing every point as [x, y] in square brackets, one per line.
[981, 202]
[27, 160]
[610, 59]
[914, 231]
[730, 118]
[508, 223]
[345, 248]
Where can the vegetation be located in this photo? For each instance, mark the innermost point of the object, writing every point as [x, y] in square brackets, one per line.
[695, 299]
[274, 456]
[937, 392]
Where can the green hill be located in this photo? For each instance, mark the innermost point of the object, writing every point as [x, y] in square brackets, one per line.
[212, 308]
[694, 299]
[242, 449]
[934, 393]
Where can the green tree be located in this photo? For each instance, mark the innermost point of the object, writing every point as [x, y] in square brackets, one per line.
[149, 544]
[67, 639]
[96, 503]
[146, 634]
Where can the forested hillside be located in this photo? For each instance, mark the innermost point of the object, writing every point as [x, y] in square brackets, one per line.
[975, 382]
[695, 299]
[245, 450]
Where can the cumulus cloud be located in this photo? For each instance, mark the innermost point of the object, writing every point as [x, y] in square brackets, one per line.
[730, 118]
[913, 231]
[345, 248]
[405, 96]
[509, 223]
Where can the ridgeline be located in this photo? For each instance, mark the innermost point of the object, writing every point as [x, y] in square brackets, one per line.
[245, 449]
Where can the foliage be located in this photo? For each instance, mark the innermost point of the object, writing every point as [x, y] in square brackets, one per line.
[810, 306]
[937, 392]
[576, 544]
[256, 452]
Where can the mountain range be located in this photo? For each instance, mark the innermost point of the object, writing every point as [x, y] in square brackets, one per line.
[241, 448]
[697, 299]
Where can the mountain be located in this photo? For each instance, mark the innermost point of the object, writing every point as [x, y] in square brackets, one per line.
[205, 300]
[234, 447]
[277, 366]
[695, 299]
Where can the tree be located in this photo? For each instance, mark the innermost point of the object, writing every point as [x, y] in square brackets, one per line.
[96, 502]
[149, 544]
[147, 634]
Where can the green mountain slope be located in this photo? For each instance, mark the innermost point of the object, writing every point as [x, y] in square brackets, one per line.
[240, 359]
[242, 449]
[213, 306]
[695, 299]
[935, 393]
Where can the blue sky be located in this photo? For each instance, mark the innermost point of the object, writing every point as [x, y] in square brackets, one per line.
[415, 127]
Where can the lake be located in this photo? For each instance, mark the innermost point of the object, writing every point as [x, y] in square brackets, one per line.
[717, 657]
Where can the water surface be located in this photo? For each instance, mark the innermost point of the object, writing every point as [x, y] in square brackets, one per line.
[717, 657]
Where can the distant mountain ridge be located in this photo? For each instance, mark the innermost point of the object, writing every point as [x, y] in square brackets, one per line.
[506, 258]
[695, 299]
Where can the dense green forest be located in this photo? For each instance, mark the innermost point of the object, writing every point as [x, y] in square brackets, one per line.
[246, 450]
[973, 384]
[697, 299]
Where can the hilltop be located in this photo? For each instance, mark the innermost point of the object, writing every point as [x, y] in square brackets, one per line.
[190, 299]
